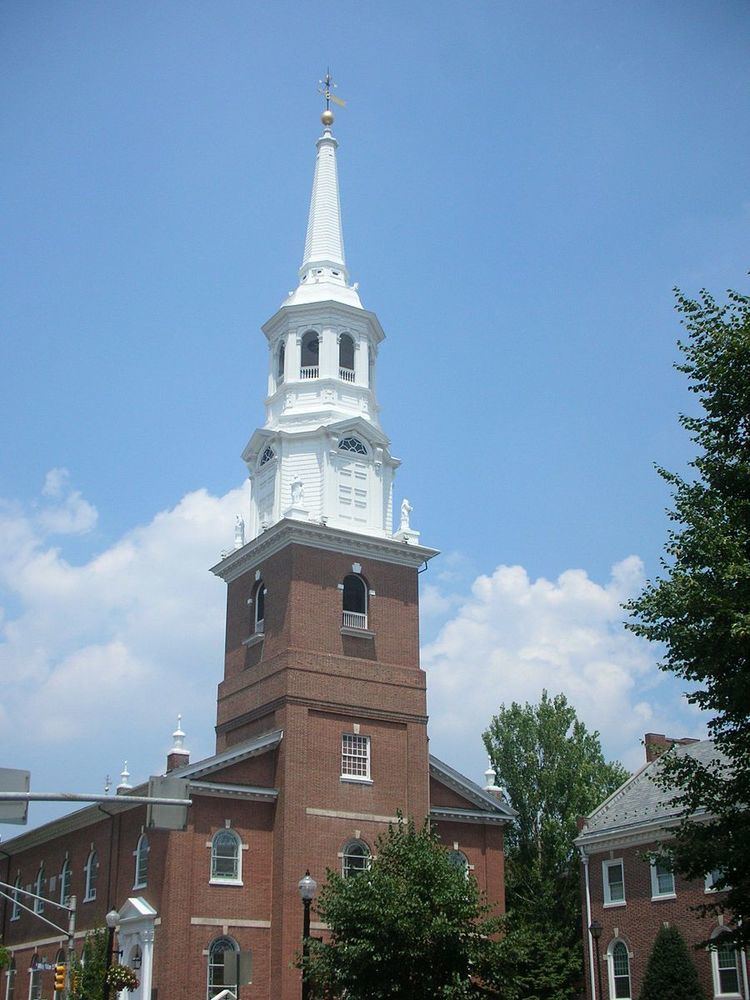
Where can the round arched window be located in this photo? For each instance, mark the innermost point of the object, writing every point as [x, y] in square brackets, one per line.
[356, 858]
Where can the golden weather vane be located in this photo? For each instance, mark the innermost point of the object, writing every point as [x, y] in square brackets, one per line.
[326, 86]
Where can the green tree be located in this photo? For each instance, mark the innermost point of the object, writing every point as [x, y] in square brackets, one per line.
[699, 610]
[553, 771]
[412, 927]
[91, 966]
[670, 972]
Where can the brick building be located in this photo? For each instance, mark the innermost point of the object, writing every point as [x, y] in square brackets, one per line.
[632, 893]
[321, 735]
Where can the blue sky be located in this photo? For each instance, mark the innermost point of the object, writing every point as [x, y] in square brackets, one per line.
[522, 185]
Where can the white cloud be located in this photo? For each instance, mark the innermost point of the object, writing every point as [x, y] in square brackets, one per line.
[513, 637]
[97, 659]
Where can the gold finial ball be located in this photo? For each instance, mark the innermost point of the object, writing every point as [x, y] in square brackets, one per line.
[327, 117]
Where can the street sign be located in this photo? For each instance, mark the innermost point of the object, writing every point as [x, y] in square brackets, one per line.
[162, 817]
[13, 780]
[238, 968]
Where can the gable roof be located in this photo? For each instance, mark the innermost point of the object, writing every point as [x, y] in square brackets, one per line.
[640, 803]
[487, 807]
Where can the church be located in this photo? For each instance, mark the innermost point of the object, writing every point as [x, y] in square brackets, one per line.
[321, 727]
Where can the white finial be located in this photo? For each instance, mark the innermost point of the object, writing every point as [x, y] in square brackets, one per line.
[124, 775]
[107, 785]
[490, 784]
[178, 739]
[239, 532]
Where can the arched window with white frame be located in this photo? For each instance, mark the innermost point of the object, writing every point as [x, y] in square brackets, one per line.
[91, 872]
[216, 979]
[258, 607]
[35, 980]
[39, 889]
[725, 965]
[354, 601]
[141, 853]
[280, 362]
[65, 877]
[459, 860]
[355, 858]
[618, 966]
[15, 909]
[10, 980]
[226, 858]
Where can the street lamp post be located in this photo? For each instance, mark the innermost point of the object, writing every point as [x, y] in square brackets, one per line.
[595, 930]
[113, 919]
[307, 888]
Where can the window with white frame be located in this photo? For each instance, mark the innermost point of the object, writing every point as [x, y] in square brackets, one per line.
[35, 980]
[662, 878]
[613, 878]
[226, 858]
[216, 980]
[10, 980]
[712, 878]
[459, 860]
[725, 966]
[619, 971]
[91, 872]
[65, 877]
[355, 858]
[15, 909]
[355, 757]
[259, 608]
[354, 601]
[39, 890]
[141, 862]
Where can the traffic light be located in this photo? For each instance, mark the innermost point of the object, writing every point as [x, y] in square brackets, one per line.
[74, 981]
[60, 970]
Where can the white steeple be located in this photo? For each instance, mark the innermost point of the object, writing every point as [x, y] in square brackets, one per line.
[321, 455]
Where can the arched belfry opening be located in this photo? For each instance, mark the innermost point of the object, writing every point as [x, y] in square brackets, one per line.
[310, 355]
[346, 357]
[280, 362]
[354, 601]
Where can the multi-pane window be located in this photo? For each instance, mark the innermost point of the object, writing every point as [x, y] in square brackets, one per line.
[226, 852]
[259, 608]
[662, 878]
[39, 890]
[725, 967]
[267, 455]
[65, 875]
[614, 882]
[35, 985]
[352, 444]
[355, 859]
[15, 910]
[141, 862]
[355, 756]
[620, 965]
[216, 979]
[10, 983]
[712, 878]
[92, 874]
[459, 860]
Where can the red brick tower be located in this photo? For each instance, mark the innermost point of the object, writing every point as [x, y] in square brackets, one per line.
[322, 634]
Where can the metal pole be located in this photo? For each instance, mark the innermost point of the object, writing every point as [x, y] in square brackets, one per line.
[305, 949]
[108, 962]
[599, 968]
[72, 903]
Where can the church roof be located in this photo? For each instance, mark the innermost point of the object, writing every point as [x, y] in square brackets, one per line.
[641, 802]
[488, 806]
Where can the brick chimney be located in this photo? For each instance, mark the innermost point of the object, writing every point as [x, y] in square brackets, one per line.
[178, 755]
[657, 743]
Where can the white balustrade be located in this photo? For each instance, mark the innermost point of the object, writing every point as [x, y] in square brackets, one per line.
[310, 371]
[354, 619]
[346, 374]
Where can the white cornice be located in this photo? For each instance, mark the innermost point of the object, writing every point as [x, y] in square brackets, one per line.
[326, 312]
[319, 536]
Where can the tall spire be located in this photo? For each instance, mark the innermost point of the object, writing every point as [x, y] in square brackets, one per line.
[324, 244]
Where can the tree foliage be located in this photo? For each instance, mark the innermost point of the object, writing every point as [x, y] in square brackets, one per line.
[699, 609]
[90, 968]
[412, 927]
[670, 972]
[553, 771]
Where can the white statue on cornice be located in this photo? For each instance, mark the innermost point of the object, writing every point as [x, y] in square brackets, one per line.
[406, 509]
[239, 531]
